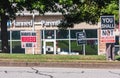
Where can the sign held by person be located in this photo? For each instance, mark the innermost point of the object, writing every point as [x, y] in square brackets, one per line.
[107, 29]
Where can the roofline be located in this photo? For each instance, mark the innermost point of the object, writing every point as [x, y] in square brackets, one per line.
[47, 13]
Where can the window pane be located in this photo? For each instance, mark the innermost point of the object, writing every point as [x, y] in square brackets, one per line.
[62, 34]
[49, 34]
[16, 47]
[73, 33]
[15, 35]
[91, 33]
[75, 47]
[62, 46]
[91, 47]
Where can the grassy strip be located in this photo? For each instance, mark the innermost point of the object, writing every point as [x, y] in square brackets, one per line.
[50, 58]
[53, 58]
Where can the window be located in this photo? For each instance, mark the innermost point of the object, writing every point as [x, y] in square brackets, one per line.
[15, 35]
[73, 33]
[16, 47]
[91, 33]
[49, 34]
[62, 34]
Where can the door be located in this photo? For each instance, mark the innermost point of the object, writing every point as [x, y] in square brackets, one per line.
[49, 47]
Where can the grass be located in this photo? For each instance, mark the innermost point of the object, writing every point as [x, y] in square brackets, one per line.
[50, 58]
[53, 58]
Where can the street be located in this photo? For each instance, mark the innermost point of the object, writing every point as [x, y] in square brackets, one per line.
[42, 72]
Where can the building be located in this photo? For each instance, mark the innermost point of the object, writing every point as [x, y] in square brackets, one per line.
[51, 40]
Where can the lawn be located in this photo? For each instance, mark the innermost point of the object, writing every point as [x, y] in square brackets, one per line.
[50, 58]
[53, 58]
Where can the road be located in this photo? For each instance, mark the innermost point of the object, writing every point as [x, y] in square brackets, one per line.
[43, 72]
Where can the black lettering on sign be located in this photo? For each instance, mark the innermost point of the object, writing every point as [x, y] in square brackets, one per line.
[107, 22]
[28, 44]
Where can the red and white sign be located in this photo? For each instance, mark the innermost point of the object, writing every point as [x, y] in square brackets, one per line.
[107, 36]
[28, 39]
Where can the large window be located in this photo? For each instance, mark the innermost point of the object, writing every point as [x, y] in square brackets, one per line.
[66, 41]
[75, 47]
[49, 34]
[15, 35]
[91, 33]
[91, 47]
[16, 42]
[62, 34]
[16, 47]
[73, 33]
[63, 45]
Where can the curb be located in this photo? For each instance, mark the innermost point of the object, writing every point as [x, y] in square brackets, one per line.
[62, 64]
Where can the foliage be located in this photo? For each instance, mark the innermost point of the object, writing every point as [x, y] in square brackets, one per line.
[90, 10]
[75, 11]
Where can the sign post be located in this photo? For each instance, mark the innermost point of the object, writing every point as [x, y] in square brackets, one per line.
[107, 35]
[81, 40]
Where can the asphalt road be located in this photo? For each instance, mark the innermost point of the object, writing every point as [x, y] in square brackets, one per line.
[43, 72]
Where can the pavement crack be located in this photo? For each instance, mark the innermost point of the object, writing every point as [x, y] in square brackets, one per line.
[39, 73]
[114, 73]
[5, 71]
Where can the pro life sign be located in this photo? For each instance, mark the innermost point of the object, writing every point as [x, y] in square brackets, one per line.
[107, 29]
[28, 39]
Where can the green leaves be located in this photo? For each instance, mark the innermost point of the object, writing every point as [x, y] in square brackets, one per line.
[79, 10]
[68, 2]
[90, 10]
[16, 1]
[39, 6]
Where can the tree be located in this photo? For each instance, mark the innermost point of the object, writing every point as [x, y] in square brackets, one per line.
[89, 10]
[74, 11]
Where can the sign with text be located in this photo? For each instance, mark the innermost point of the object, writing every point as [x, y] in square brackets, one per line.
[107, 29]
[81, 38]
[28, 39]
[107, 22]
